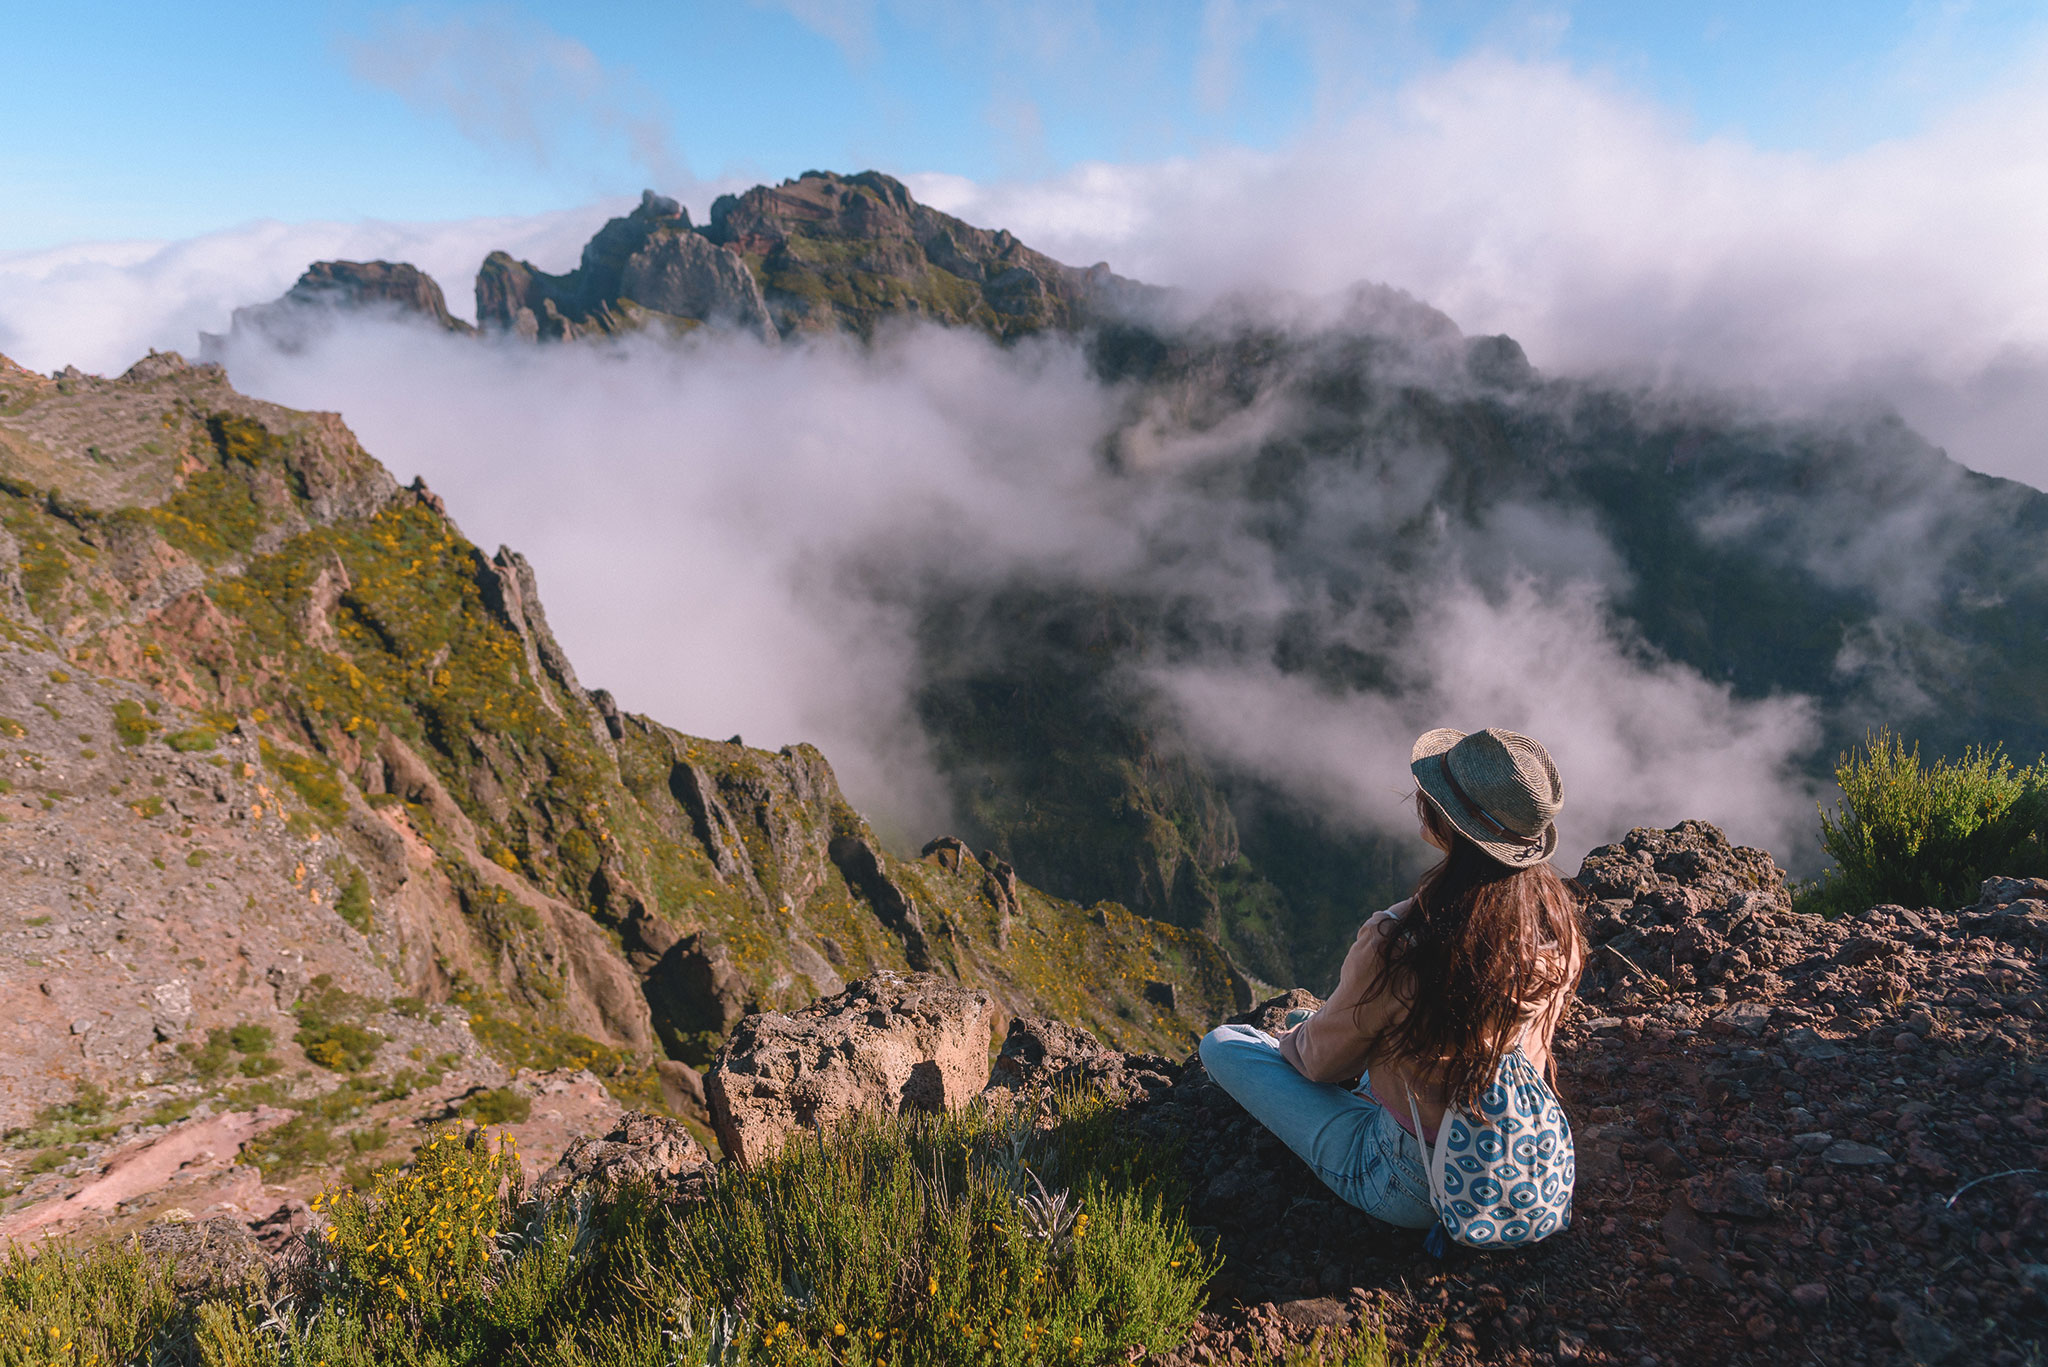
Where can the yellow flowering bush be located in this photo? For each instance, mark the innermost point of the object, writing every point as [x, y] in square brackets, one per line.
[77, 1309]
[419, 1238]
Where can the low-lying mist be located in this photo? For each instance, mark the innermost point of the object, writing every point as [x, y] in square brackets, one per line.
[734, 538]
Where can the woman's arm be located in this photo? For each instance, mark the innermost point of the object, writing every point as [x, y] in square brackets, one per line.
[1330, 1046]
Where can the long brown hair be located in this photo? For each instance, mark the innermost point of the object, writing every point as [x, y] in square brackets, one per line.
[1480, 944]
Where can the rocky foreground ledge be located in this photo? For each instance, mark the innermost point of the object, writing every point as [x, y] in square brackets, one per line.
[1798, 1140]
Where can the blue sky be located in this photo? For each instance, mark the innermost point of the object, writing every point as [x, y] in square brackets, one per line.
[156, 121]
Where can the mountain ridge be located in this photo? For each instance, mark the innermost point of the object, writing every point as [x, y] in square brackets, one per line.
[819, 253]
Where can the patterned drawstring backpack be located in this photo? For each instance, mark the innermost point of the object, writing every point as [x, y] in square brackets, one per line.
[1501, 1178]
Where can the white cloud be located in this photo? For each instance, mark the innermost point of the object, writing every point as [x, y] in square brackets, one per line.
[1526, 198]
[508, 80]
[1638, 741]
[100, 306]
[701, 521]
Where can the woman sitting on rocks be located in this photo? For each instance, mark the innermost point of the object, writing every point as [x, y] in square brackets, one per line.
[1436, 991]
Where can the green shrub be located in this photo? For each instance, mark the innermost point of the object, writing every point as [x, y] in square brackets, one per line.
[105, 1305]
[312, 779]
[250, 1038]
[330, 1028]
[926, 1239]
[305, 1141]
[190, 741]
[84, 1117]
[353, 905]
[215, 1057]
[49, 1160]
[420, 1239]
[132, 725]
[496, 1106]
[1926, 834]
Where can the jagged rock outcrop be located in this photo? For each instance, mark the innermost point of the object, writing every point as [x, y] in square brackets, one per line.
[685, 275]
[1692, 865]
[822, 252]
[646, 267]
[889, 1043]
[329, 289]
[1041, 1055]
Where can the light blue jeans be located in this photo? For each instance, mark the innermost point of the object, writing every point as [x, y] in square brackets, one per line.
[1351, 1141]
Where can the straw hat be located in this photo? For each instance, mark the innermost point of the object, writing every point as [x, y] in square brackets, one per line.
[1499, 788]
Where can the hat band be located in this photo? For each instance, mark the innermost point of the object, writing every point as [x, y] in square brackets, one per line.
[1525, 841]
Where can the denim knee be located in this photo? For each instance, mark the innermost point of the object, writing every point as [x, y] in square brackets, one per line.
[1225, 1040]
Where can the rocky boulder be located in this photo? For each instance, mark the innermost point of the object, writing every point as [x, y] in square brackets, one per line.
[641, 1148]
[1692, 865]
[1271, 1014]
[1041, 1055]
[891, 1042]
[216, 1257]
[1684, 908]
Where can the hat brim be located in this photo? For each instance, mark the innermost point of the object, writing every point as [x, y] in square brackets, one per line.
[1430, 777]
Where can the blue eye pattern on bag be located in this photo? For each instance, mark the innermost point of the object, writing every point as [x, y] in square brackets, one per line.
[1502, 1178]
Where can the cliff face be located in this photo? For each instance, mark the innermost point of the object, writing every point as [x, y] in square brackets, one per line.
[648, 268]
[385, 769]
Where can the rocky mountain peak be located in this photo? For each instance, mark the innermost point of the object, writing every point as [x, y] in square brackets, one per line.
[647, 268]
[845, 252]
[330, 288]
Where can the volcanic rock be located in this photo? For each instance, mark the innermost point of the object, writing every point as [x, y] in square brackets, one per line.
[641, 1148]
[1040, 1055]
[684, 274]
[891, 1042]
[1692, 865]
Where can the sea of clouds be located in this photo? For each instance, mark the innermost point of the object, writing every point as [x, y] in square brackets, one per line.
[740, 538]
